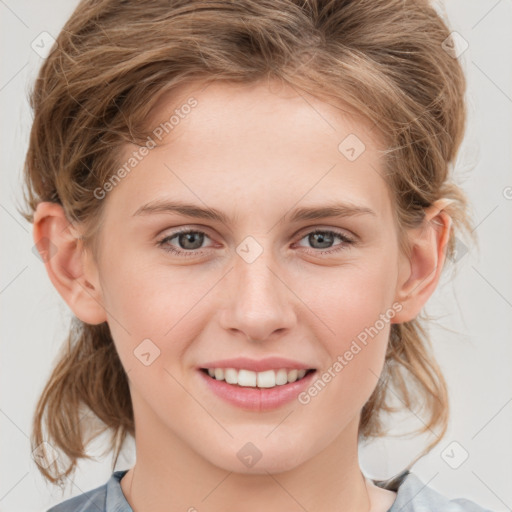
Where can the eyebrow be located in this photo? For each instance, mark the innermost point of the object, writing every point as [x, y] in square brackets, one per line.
[297, 215]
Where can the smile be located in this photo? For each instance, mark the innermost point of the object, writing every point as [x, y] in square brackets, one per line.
[246, 394]
[265, 379]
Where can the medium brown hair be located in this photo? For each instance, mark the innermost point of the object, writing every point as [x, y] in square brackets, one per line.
[112, 61]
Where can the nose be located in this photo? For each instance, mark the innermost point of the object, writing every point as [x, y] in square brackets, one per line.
[258, 301]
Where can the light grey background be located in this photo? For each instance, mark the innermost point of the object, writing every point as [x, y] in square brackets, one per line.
[472, 340]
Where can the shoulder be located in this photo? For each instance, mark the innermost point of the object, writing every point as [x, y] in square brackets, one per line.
[90, 500]
[100, 499]
[413, 495]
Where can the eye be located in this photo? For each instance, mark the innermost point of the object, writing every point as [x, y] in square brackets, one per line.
[188, 240]
[191, 240]
[325, 239]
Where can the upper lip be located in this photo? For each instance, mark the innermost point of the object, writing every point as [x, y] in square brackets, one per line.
[257, 365]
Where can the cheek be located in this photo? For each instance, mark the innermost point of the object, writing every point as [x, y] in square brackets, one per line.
[153, 296]
[350, 298]
[355, 308]
[157, 303]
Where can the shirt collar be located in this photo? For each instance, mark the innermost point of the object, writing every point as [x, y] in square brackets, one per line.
[115, 500]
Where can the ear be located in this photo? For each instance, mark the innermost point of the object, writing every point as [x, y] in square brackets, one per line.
[420, 272]
[70, 267]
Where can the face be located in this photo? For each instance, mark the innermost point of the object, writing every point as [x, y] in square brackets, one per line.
[262, 278]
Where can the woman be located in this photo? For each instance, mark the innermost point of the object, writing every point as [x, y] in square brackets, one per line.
[246, 205]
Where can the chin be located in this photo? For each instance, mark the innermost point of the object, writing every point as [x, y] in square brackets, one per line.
[255, 459]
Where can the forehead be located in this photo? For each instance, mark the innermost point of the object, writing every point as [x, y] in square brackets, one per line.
[223, 104]
[254, 145]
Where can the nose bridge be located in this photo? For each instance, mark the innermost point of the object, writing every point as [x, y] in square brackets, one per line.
[259, 302]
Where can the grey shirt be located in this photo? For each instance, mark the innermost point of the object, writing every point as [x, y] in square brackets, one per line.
[412, 496]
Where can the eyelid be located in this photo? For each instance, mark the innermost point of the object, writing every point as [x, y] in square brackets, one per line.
[348, 239]
[187, 229]
[173, 231]
[305, 230]
[319, 227]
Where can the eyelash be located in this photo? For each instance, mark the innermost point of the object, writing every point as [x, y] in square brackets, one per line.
[347, 242]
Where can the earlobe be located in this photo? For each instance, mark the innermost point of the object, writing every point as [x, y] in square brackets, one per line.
[64, 257]
[419, 274]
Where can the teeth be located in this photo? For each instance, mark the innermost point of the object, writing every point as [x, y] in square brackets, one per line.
[230, 376]
[266, 379]
[281, 377]
[248, 378]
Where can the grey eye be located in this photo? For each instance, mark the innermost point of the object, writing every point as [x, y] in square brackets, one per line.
[190, 240]
[324, 238]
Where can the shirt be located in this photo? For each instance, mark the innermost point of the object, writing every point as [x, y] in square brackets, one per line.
[412, 496]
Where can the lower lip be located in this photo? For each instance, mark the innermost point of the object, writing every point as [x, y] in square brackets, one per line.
[257, 399]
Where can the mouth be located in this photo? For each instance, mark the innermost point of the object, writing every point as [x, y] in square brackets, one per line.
[242, 378]
[256, 385]
[254, 391]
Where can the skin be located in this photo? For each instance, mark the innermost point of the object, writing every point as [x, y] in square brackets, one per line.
[255, 153]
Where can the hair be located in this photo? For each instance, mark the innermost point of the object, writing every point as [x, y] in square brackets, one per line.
[113, 60]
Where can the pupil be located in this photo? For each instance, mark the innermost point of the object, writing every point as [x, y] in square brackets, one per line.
[322, 238]
[188, 238]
